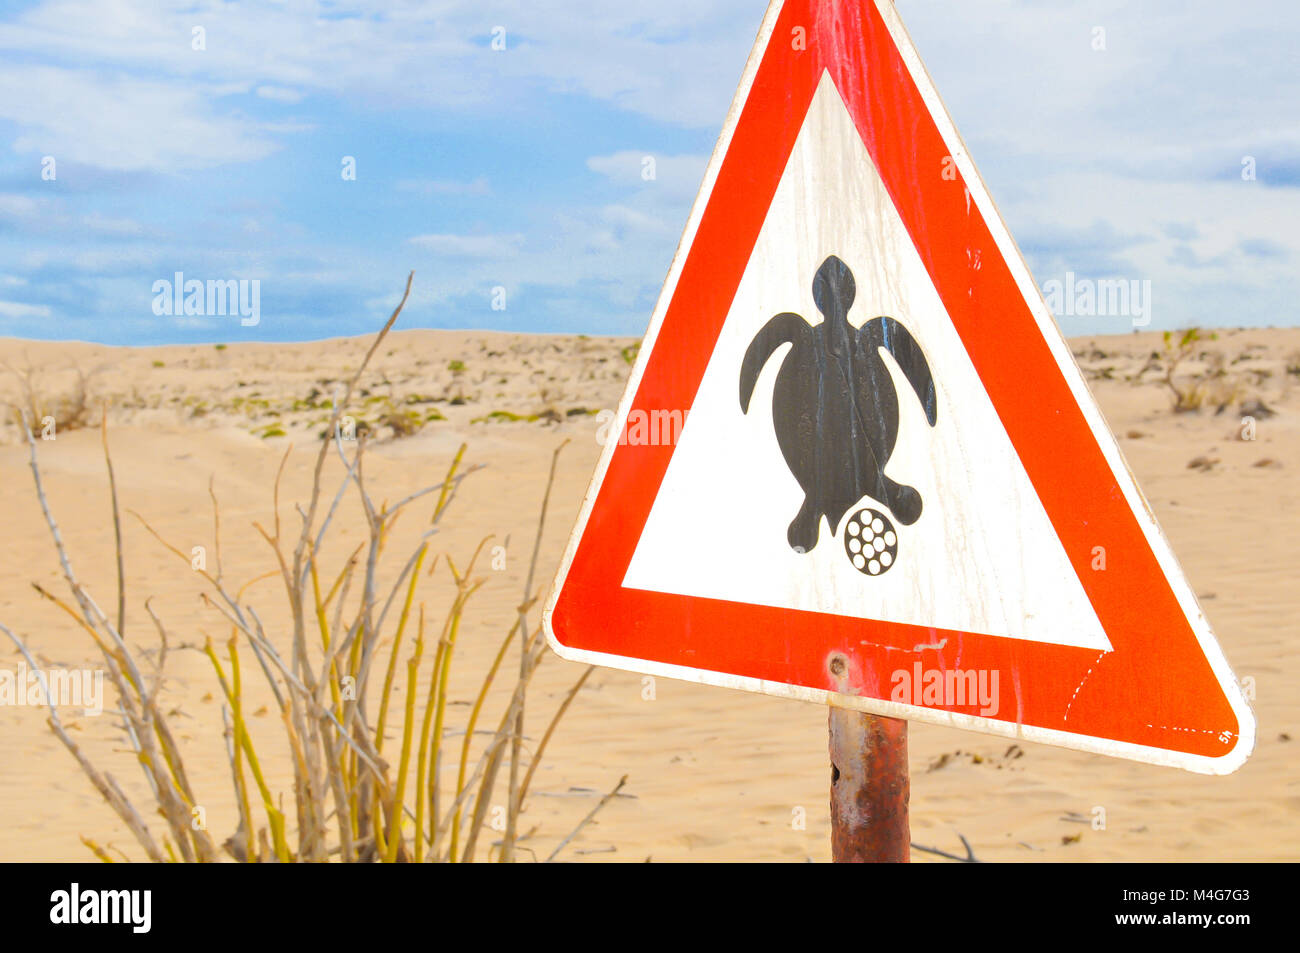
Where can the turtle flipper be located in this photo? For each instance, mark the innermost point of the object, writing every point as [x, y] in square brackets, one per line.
[903, 501]
[805, 528]
[785, 328]
[898, 341]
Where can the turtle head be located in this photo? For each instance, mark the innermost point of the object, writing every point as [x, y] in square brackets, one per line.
[834, 289]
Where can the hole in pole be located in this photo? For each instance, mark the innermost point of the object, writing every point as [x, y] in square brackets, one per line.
[835, 774]
[838, 665]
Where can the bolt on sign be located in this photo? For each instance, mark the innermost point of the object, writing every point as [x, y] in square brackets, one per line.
[893, 490]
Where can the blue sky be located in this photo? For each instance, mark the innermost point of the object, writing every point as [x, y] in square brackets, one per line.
[521, 167]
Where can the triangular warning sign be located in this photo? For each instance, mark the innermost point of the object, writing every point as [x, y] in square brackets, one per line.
[856, 461]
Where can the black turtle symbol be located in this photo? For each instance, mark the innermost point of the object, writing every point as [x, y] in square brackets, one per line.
[834, 407]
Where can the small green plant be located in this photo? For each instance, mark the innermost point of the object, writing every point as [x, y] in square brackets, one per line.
[1185, 398]
[391, 420]
[457, 369]
[403, 423]
[506, 415]
[159, 364]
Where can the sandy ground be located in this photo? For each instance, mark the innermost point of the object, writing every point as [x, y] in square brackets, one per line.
[712, 774]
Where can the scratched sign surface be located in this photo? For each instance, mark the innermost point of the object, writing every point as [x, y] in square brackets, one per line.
[855, 461]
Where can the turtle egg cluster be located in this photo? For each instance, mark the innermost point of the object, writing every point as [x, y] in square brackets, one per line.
[870, 542]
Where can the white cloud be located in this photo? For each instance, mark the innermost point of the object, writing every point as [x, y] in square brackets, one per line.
[17, 207]
[104, 225]
[123, 123]
[471, 246]
[677, 178]
[279, 94]
[1225, 234]
[416, 53]
[49, 215]
[1178, 90]
[15, 309]
[676, 61]
[426, 187]
[627, 219]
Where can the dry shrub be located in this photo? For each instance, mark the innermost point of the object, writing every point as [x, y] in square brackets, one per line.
[351, 800]
[51, 399]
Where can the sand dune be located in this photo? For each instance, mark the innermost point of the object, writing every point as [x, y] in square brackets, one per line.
[713, 774]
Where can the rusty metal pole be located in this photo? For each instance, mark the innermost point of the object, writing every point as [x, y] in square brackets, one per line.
[869, 788]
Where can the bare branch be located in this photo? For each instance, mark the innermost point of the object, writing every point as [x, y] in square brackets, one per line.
[588, 819]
